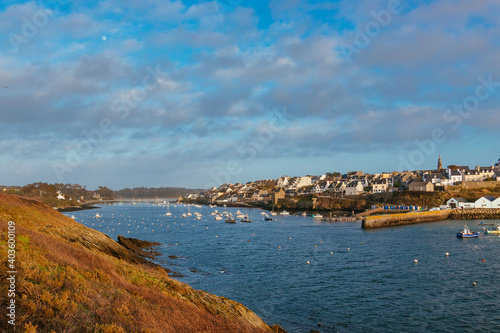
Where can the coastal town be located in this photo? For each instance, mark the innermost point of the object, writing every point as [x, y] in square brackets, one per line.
[357, 184]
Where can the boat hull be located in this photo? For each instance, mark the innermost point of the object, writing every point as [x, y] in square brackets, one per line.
[492, 231]
[474, 235]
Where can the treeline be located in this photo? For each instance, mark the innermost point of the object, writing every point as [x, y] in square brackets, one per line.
[70, 191]
[151, 193]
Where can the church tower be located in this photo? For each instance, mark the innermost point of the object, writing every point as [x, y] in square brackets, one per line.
[440, 164]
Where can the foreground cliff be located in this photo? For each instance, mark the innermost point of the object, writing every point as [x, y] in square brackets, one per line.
[74, 279]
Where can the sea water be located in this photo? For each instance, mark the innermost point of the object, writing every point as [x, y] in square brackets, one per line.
[303, 274]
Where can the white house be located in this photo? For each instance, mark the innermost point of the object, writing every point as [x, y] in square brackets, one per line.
[354, 188]
[60, 196]
[472, 176]
[456, 203]
[495, 203]
[455, 176]
[486, 172]
[380, 186]
[484, 202]
[300, 182]
[320, 186]
[283, 181]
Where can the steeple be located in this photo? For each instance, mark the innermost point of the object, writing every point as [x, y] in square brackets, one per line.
[440, 164]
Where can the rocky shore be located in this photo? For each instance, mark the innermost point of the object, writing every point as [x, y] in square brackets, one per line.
[83, 280]
[475, 214]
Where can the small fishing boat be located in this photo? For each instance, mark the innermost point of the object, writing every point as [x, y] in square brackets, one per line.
[467, 233]
[495, 230]
[246, 219]
[268, 218]
[230, 220]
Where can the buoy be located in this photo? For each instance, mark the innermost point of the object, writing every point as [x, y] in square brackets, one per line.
[484, 260]
[473, 283]
[348, 249]
[216, 236]
[248, 240]
[279, 247]
[362, 243]
[315, 245]
[446, 254]
[290, 237]
[308, 262]
[415, 261]
[331, 252]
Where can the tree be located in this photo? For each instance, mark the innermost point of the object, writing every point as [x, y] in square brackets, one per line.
[105, 193]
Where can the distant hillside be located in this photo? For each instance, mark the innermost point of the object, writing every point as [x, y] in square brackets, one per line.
[151, 193]
[71, 278]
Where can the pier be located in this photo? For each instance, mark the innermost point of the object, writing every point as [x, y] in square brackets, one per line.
[380, 221]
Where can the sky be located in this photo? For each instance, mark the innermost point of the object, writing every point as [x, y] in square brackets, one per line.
[125, 93]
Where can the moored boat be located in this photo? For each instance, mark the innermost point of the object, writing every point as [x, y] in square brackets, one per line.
[467, 233]
[246, 219]
[495, 230]
[230, 220]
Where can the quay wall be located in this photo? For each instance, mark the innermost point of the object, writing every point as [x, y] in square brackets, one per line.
[380, 221]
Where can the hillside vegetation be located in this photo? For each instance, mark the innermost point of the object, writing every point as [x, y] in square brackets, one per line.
[74, 279]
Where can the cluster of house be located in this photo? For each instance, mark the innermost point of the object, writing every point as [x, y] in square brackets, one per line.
[350, 184]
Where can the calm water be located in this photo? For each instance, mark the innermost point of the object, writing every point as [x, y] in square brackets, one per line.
[356, 280]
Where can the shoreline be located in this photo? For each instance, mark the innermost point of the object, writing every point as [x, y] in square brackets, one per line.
[77, 208]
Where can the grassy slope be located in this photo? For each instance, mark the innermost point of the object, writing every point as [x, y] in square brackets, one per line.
[71, 278]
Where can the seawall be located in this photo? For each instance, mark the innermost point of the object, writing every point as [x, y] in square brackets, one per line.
[475, 214]
[380, 221]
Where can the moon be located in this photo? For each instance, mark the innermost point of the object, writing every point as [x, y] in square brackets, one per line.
[104, 38]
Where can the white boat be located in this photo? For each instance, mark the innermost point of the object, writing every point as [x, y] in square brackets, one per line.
[319, 216]
[73, 217]
[218, 217]
[285, 213]
[263, 213]
[168, 210]
[97, 215]
[304, 214]
[246, 218]
[184, 215]
[230, 220]
[198, 217]
[273, 212]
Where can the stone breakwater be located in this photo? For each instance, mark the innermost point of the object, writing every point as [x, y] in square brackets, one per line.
[475, 214]
[380, 221]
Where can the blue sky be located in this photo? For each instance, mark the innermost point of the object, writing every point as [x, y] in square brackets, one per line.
[195, 93]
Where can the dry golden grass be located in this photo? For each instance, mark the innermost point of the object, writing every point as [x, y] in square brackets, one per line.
[67, 284]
